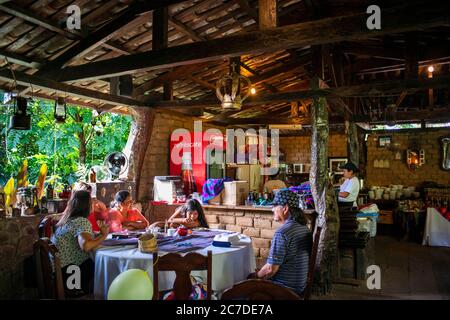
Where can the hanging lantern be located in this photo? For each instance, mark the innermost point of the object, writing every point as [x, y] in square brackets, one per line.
[20, 120]
[228, 89]
[60, 113]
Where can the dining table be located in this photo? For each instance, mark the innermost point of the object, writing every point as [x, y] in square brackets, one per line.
[437, 229]
[229, 264]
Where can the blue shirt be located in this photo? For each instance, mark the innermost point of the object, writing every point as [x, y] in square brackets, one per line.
[290, 249]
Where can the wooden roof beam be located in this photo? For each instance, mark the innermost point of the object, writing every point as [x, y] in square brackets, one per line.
[130, 17]
[20, 59]
[267, 11]
[74, 91]
[442, 113]
[28, 15]
[185, 29]
[352, 27]
[383, 87]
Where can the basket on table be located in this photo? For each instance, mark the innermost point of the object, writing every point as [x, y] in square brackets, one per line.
[147, 243]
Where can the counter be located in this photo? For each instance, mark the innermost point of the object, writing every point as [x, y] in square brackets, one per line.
[255, 222]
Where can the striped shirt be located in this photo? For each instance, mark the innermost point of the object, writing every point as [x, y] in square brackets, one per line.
[290, 249]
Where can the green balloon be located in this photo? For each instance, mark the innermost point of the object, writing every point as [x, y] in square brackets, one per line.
[133, 284]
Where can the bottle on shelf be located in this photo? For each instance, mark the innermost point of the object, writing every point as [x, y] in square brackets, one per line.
[250, 199]
[50, 192]
[187, 175]
[166, 226]
[266, 194]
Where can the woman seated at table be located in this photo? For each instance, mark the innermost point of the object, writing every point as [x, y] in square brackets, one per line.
[190, 215]
[99, 211]
[74, 239]
[122, 215]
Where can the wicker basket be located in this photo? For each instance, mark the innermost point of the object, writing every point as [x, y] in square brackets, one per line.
[147, 243]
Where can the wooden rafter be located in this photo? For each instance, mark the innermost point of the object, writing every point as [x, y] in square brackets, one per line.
[43, 83]
[352, 27]
[267, 11]
[28, 15]
[131, 17]
[20, 59]
[382, 87]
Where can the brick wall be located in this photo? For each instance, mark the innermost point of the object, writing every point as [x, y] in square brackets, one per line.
[398, 172]
[298, 148]
[156, 159]
[17, 236]
[257, 225]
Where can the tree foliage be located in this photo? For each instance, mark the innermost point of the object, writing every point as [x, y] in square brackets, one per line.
[68, 149]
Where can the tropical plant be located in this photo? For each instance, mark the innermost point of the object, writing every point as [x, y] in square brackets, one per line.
[68, 149]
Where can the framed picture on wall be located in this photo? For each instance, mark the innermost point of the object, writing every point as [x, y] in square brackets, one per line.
[334, 164]
[384, 141]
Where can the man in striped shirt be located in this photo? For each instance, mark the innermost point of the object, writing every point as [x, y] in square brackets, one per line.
[287, 264]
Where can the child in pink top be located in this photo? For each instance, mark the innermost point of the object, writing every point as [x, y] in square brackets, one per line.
[123, 216]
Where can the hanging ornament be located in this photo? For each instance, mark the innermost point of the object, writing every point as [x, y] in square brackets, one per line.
[228, 89]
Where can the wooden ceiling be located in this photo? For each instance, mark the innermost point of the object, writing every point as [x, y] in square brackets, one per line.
[176, 54]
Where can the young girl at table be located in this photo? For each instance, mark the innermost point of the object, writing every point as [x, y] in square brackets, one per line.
[190, 215]
[122, 215]
[74, 239]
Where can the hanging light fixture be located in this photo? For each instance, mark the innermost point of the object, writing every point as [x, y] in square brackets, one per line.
[228, 89]
[60, 113]
[20, 120]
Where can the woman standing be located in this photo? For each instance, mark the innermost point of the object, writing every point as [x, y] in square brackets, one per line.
[74, 239]
[349, 190]
[122, 215]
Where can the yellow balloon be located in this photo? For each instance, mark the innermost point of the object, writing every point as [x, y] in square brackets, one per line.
[133, 284]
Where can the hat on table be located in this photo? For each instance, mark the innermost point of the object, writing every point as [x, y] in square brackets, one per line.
[286, 197]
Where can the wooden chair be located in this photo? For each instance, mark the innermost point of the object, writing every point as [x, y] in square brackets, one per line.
[258, 289]
[312, 264]
[50, 284]
[47, 226]
[50, 280]
[182, 265]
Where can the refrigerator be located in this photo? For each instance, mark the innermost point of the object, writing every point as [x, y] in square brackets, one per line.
[200, 168]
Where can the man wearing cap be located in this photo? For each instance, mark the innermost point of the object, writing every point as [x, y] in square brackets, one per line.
[287, 264]
[349, 190]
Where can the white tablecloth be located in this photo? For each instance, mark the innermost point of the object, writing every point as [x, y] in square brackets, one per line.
[229, 266]
[437, 229]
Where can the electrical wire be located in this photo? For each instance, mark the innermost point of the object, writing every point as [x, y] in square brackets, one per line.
[55, 162]
[12, 72]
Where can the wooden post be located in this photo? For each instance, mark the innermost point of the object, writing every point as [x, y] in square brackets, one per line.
[267, 14]
[325, 201]
[352, 142]
[138, 141]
